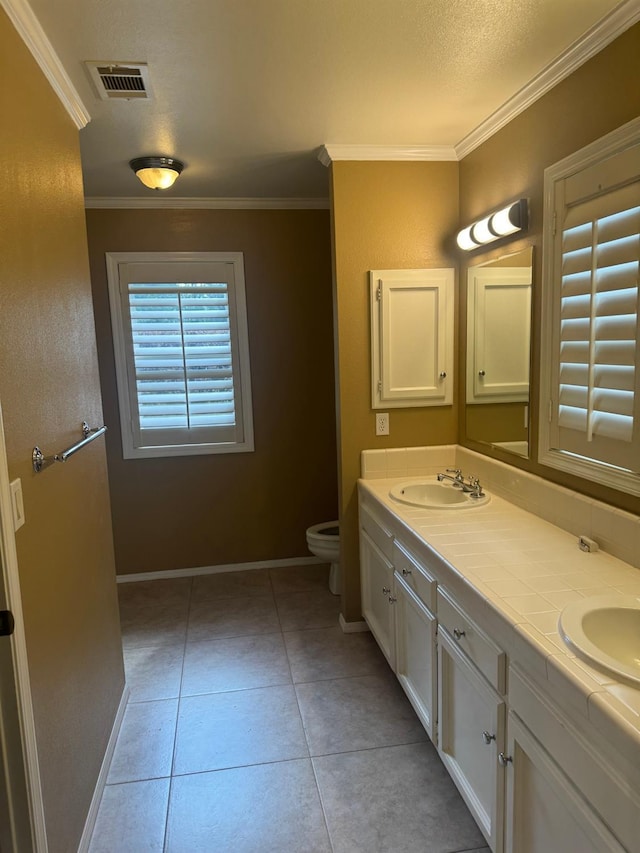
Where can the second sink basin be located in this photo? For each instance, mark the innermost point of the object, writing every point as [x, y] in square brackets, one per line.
[605, 631]
[434, 495]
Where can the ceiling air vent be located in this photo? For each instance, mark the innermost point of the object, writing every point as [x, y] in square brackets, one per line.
[119, 79]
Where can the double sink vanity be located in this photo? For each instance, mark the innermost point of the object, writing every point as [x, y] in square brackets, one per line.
[518, 647]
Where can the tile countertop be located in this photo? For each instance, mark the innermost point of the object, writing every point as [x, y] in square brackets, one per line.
[525, 570]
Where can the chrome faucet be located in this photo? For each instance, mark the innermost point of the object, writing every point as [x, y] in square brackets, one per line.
[457, 479]
[472, 486]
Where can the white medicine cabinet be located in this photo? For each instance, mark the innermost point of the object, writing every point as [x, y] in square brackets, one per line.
[498, 334]
[412, 316]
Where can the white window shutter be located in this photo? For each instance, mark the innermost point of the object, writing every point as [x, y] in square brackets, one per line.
[181, 346]
[590, 326]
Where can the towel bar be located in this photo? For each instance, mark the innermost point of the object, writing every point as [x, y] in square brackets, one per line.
[40, 461]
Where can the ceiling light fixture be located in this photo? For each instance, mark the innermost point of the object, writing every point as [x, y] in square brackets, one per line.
[508, 220]
[157, 173]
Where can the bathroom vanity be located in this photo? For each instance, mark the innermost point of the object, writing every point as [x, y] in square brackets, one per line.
[464, 604]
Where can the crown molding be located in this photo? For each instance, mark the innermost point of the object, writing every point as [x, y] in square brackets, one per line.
[625, 15]
[97, 202]
[329, 153]
[22, 17]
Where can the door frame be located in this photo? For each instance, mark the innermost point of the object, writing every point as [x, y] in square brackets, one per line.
[23, 788]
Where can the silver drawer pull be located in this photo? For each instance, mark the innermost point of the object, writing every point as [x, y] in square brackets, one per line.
[386, 590]
[504, 759]
[392, 600]
[458, 634]
[487, 738]
[406, 572]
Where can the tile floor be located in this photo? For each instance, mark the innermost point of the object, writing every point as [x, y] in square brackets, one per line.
[255, 725]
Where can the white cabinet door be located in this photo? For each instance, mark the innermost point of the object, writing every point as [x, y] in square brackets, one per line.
[416, 660]
[545, 813]
[377, 595]
[412, 337]
[498, 334]
[471, 731]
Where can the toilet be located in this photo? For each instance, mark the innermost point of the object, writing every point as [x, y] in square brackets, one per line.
[323, 540]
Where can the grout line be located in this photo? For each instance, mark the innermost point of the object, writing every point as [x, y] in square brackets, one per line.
[175, 731]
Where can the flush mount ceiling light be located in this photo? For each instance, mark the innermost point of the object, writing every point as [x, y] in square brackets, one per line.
[509, 220]
[157, 173]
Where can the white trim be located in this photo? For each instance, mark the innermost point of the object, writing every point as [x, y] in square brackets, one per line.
[107, 203]
[600, 149]
[625, 15]
[353, 627]
[330, 152]
[20, 657]
[35, 38]
[92, 814]
[214, 570]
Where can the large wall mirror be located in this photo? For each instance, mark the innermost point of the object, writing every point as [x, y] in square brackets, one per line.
[499, 352]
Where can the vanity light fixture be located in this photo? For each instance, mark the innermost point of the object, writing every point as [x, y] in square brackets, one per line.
[508, 220]
[157, 173]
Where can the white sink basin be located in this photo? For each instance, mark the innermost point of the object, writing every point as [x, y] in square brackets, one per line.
[605, 631]
[434, 495]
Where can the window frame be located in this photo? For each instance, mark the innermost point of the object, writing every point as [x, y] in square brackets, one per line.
[590, 469]
[132, 435]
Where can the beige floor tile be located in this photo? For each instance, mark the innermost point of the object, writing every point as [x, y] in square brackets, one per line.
[145, 743]
[398, 799]
[232, 584]
[154, 673]
[269, 808]
[232, 617]
[132, 818]
[237, 663]
[172, 591]
[221, 730]
[329, 653]
[155, 625]
[357, 713]
[315, 608]
[299, 578]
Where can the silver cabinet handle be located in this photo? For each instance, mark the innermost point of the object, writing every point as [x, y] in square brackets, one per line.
[481, 373]
[487, 738]
[386, 590]
[443, 374]
[503, 759]
[392, 600]
[406, 572]
[458, 634]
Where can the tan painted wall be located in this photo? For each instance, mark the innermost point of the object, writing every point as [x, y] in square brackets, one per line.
[185, 512]
[385, 216]
[48, 385]
[597, 98]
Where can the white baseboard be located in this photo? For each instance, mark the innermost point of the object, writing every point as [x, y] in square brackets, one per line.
[90, 822]
[353, 627]
[214, 570]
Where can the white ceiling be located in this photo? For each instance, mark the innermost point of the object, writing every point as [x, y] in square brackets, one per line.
[246, 91]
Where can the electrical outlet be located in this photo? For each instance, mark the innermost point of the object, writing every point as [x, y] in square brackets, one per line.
[382, 423]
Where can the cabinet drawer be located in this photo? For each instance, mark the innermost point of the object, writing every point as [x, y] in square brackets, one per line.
[415, 576]
[377, 532]
[483, 652]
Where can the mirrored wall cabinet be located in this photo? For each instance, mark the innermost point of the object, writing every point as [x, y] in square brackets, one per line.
[499, 351]
[412, 316]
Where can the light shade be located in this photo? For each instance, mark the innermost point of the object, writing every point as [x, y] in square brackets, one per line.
[157, 173]
[508, 220]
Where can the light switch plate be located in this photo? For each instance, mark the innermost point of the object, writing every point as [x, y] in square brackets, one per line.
[17, 504]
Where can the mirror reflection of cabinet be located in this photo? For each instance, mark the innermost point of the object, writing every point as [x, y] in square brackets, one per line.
[498, 351]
